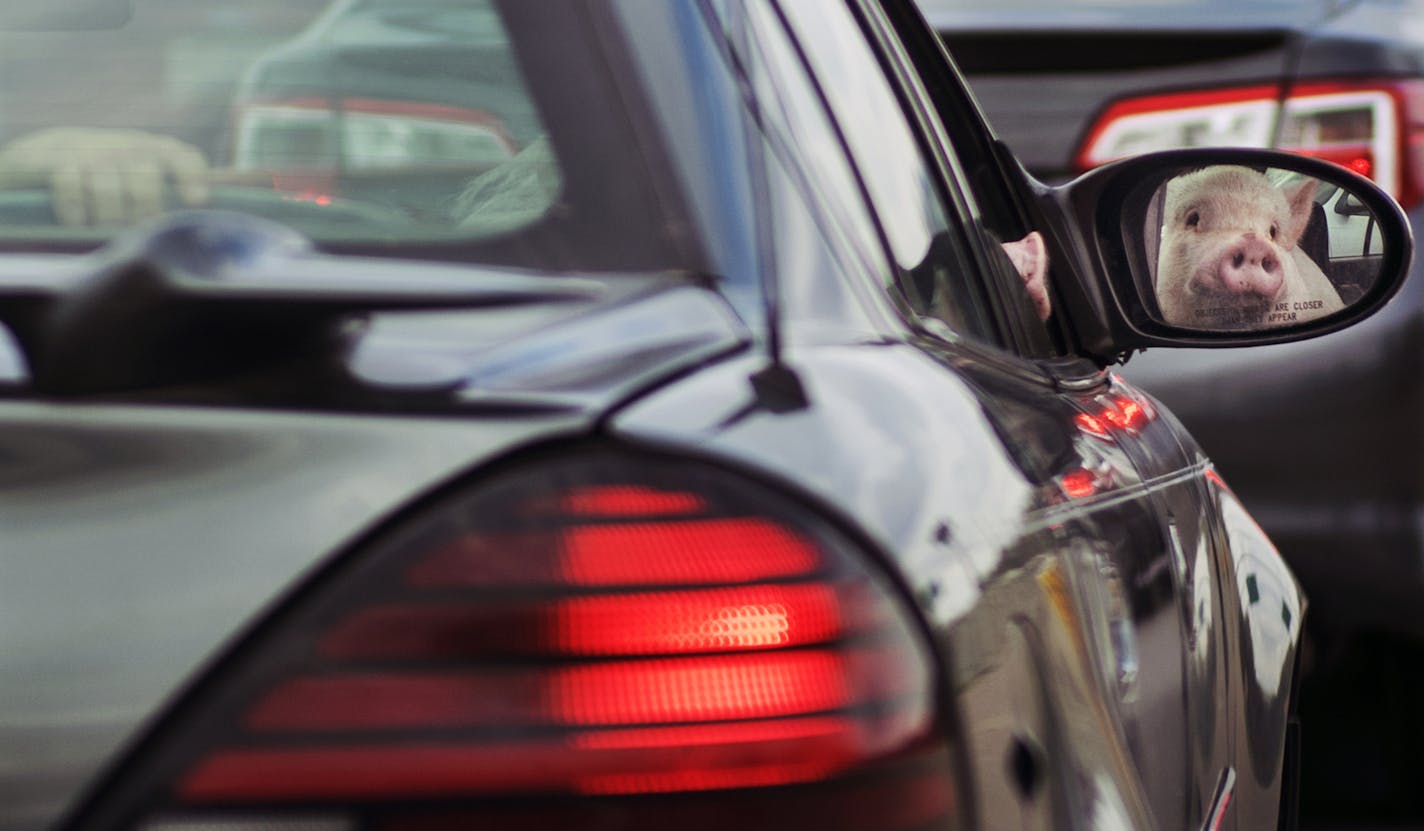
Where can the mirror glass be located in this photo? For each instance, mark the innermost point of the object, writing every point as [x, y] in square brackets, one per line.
[1233, 248]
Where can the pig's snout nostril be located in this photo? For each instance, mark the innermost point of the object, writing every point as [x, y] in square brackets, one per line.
[1250, 267]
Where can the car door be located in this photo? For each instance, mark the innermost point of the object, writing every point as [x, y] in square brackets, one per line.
[1236, 648]
[1133, 526]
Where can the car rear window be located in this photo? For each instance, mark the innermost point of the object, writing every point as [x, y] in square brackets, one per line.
[360, 122]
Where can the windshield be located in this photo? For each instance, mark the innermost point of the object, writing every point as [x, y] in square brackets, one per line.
[479, 129]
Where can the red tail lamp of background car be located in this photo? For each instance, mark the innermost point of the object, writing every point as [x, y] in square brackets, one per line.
[583, 641]
[1375, 128]
[305, 143]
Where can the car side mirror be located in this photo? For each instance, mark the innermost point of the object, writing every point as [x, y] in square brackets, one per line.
[1230, 247]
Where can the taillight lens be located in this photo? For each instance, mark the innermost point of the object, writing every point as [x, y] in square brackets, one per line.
[638, 640]
[1374, 128]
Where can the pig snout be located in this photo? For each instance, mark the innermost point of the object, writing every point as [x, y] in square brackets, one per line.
[1251, 266]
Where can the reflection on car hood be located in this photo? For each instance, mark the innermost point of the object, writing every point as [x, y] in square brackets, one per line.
[551, 355]
[414, 334]
[1104, 15]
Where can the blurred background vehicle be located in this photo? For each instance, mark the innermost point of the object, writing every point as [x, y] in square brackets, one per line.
[385, 101]
[1322, 440]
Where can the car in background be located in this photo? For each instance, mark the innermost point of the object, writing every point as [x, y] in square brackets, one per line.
[707, 463]
[1321, 440]
[388, 101]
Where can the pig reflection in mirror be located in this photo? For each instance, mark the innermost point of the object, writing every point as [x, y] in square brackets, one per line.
[1228, 257]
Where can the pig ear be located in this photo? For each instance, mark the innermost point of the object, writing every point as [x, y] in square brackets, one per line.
[1301, 198]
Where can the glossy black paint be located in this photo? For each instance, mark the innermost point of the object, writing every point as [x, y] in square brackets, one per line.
[1115, 639]
[1320, 439]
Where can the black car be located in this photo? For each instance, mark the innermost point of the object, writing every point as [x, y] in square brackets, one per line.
[1321, 439]
[707, 462]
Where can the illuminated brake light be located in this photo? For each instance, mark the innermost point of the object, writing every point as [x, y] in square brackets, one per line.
[1370, 127]
[559, 635]
[697, 551]
[642, 554]
[1092, 425]
[701, 758]
[1126, 413]
[707, 620]
[1116, 412]
[1079, 484]
[630, 501]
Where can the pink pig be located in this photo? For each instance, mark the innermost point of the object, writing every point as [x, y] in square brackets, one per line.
[1229, 259]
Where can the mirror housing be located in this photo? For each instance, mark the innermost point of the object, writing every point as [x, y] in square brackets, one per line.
[1217, 247]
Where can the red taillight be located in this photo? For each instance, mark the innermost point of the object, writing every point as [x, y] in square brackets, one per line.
[610, 501]
[700, 551]
[1079, 484]
[682, 622]
[1374, 128]
[581, 631]
[1128, 412]
[1104, 417]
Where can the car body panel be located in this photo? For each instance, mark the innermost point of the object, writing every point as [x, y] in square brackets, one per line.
[161, 534]
[1103, 623]
[1318, 438]
[1315, 496]
[149, 481]
[997, 576]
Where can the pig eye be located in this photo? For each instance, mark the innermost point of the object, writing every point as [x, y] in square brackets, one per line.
[1275, 229]
[1193, 219]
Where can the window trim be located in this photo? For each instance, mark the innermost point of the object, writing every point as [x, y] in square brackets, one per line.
[954, 210]
[1025, 338]
[855, 257]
